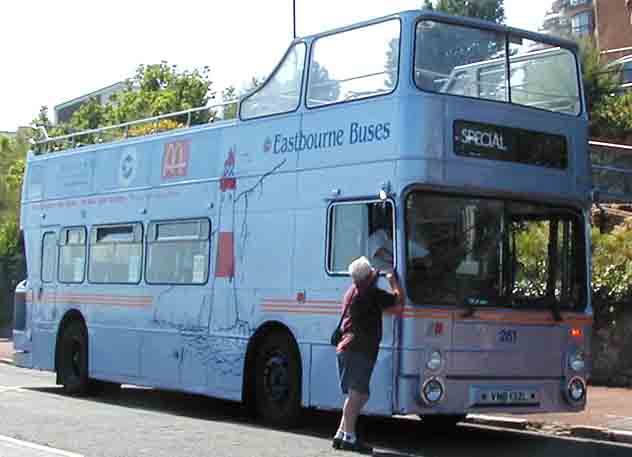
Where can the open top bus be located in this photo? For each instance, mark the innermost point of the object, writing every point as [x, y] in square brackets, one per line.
[212, 258]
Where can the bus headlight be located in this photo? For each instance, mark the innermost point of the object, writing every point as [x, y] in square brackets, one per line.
[432, 391]
[577, 361]
[434, 361]
[576, 389]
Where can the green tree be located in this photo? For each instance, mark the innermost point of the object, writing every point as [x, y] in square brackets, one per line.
[159, 89]
[228, 94]
[489, 10]
[612, 117]
[598, 82]
[12, 154]
[153, 90]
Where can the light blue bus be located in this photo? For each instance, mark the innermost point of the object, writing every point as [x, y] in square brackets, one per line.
[212, 259]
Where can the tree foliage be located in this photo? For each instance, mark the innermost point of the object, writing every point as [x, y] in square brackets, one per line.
[153, 90]
[612, 262]
[598, 82]
[488, 10]
[160, 89]
[12, 154]
[612, 117]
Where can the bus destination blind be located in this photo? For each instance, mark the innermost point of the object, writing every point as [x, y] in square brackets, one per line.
[486, 141]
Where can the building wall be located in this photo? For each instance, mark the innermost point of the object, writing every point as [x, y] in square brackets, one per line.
[564, 18]
[614, 30]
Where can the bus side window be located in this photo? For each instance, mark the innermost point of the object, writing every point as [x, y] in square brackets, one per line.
[178, 252]
[360, 229]
[49, 256]
[116, 254]
[72, 255]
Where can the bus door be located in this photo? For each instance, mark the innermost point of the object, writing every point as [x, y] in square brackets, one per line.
[43, 294]
[365, 228]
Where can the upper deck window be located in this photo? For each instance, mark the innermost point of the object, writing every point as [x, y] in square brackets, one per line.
[281, 93]
[472, 62]
[355, 64]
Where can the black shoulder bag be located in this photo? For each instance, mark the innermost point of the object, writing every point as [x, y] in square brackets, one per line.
[336, 336]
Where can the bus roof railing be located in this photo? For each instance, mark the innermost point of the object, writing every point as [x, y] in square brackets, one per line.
[70, 140]
[612, 172]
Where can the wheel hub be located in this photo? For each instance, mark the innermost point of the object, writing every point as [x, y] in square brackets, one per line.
[76, 358]
[276, 377]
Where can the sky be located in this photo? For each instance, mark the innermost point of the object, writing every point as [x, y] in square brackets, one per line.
[54, 51]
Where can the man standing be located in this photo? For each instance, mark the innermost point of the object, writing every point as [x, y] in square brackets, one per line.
[357, 351]
[628, 4]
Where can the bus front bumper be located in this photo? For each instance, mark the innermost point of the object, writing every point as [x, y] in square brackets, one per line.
[461, 395]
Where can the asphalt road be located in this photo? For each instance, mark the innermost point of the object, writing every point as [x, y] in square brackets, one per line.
[145, 422]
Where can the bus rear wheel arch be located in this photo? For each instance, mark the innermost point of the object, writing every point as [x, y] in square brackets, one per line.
[72, 359]
[274, 376]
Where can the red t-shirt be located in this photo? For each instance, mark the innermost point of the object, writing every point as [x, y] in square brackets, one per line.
[362, 325]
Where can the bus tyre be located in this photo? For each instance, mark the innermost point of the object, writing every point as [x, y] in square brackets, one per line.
[73, 359]
[278, 380]
[441, 422]
[104, 387]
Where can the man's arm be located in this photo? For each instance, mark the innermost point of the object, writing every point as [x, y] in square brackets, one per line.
[396, 288]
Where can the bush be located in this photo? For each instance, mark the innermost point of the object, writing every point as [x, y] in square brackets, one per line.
[612, 117]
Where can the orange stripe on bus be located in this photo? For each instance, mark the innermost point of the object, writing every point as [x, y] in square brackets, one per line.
[281, 305]
[294, 301]
[300, 311]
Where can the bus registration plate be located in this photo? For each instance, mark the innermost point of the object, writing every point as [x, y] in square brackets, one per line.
[507, 397]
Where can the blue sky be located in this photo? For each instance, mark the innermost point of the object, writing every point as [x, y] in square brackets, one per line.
[55, 51]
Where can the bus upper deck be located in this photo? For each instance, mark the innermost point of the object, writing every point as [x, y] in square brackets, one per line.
[470, 91]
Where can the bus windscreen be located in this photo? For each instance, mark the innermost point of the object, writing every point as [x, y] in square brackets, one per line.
[491, 252]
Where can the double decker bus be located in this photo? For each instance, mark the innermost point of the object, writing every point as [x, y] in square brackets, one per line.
[212, 258]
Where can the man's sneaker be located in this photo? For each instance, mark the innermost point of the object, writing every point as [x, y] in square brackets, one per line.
[336, 443]
[356, 446]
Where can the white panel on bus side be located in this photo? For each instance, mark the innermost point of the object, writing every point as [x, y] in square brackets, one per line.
[325, 386]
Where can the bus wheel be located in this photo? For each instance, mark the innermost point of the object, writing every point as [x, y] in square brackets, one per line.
[73, 359]
[104, 387]
[278, 380]
[441, 422]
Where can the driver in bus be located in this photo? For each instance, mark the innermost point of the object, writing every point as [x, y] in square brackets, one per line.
[381, 250]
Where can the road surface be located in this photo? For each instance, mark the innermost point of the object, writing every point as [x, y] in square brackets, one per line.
[145, 422]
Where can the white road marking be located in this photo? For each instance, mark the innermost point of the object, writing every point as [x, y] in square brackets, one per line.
[26, 449]
[4, 389]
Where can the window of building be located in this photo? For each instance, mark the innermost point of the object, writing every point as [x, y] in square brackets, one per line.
[574, 3]
[341, 70]
[281, 93]
[72, 255]
[178, 252]
[49, 256]
[581, 23]
[359, 229]
[116, 254]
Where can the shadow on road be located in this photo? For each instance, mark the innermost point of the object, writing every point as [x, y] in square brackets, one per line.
[392, 437]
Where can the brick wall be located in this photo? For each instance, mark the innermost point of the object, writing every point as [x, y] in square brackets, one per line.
[613, 28]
